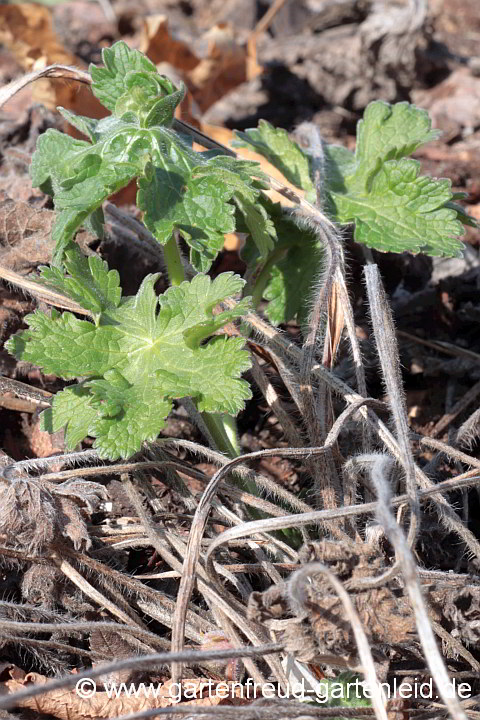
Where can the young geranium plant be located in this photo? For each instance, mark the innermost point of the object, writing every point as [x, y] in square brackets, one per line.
[137, 354]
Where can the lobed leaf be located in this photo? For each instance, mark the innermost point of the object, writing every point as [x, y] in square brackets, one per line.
[389, 132]
[402, 211]
[380, 190]
[110, 82]
[90, 283]
[143, 352]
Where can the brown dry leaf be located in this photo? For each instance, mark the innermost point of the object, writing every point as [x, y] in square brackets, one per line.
[223, 68]
[42, 443]
[335, 327]
[208, 79]
[25, 235]
[158, 44]
[67, 705]
[19, 187]
[27, 31]
[386, 617]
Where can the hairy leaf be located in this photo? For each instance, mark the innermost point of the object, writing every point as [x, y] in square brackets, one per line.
[389, 132]
[143, 352]
[196, 203]
[380, 190]
[110, 82]
[291, 270]
[291, 284]
[89, 282]
[179, 188]
[402, 211]
[283, 153]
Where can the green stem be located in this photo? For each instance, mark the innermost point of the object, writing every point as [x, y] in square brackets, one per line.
[173, 261]
[223, 429]
[257, 288]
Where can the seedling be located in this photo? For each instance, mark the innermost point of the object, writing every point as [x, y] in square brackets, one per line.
[137, 354]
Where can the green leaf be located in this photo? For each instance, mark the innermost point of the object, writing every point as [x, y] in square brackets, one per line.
[196, 202]
[389, 132]
[283, 153]
[143, 352]
[380, 190]
[402, 211]
[90, 283]
[196, 206]
[71, 408]
[81, 175]
[110, 82]
[340, 163]
[287, 277]
[194, 193]
[291, 284]
[260, 225]
[85, 125]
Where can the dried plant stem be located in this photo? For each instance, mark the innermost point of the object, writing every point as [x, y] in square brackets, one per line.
[449, 450]
[454, 645]
[292, 433]
[200, 519]
[40, 292]
[163, 604]
[51, 645]
[224, 606]
[278, 345]
[386, 342]
[318, 516]
[458, 408]
[379, 472]
[316, 407]
[17, 626]
[91, 592]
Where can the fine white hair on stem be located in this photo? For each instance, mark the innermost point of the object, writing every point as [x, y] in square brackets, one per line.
[380, 469]
[386, 342]
[282, 347]
[296, 590]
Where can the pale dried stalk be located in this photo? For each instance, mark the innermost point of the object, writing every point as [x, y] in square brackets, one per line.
[380, 467]
[318, 516]
[386, 342]
[280, 346]
[203, 509]
[52, 71]
[40, 292]
[456, 646]
[316, 407]
[218, 599]
[16, 626]
[91, 592]
[163, 603]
